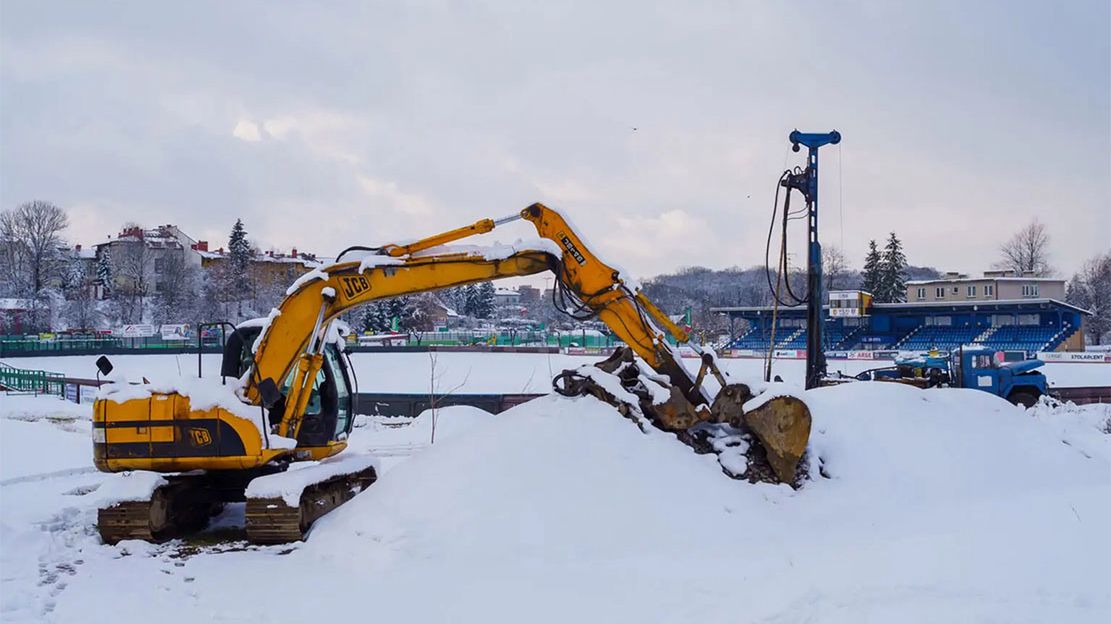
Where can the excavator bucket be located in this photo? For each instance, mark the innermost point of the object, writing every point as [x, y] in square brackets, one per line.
[782, 425]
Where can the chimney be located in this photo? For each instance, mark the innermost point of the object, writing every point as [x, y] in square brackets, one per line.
[77, 247]
[294, 254]
[200, 246]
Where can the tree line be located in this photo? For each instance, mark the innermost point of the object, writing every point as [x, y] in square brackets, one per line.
[37, 267]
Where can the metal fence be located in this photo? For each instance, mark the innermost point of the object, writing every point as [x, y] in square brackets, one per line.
[30, 381]
[513, 339]
[16, 346]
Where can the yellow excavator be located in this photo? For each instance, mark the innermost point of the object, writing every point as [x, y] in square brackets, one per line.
[291, 402]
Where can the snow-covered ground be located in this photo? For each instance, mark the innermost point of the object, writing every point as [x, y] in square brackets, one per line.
[504, 373]
[936, 506]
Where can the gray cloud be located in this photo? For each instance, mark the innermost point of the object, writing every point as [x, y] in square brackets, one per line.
[324, 126]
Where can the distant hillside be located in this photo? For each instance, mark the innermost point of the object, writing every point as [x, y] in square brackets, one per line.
[700, 289]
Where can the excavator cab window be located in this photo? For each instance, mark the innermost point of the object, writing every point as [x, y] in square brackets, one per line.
[328, 413]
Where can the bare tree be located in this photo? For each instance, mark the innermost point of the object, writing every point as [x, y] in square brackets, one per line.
[133, 269]
[30, 233]
[1091, 289]
[30, 262]
[177, 289]
[835, 268]
[1027, 251]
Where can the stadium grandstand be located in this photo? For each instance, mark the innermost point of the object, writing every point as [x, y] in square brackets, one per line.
[940, 314]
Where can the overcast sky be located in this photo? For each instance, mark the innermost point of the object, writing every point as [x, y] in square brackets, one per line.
[659, 129]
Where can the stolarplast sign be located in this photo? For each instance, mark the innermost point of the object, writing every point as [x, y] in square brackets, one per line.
[1074, 356]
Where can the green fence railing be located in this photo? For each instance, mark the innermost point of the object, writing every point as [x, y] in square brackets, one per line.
[30, 381]
[513, 339]
[15, 346]
[63, 345]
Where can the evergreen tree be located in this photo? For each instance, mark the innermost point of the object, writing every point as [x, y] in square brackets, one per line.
[376, 318]
[73, 277]
[870, 277]
[484, 300]
[239, 252]
[238, 285]
[104, 271]
[400, 308]
[893, 272]
[469, 299]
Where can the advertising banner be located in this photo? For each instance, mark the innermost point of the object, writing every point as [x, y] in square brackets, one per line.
[72, 393]
[175, 332]
[1074, 356]
[135, 331]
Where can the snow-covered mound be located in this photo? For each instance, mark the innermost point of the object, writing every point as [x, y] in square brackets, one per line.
[42, 435]
[941, 505]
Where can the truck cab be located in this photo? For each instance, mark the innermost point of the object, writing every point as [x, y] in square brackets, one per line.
[978, 368]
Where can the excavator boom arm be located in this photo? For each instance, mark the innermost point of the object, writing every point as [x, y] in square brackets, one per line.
[295, 331]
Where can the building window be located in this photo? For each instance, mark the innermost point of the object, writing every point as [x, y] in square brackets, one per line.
[1030, 290]
[1029, 319]
[989, 290]
[921, 293]
[940, 292]
[956, 289]
[158, 264]
[971, 291]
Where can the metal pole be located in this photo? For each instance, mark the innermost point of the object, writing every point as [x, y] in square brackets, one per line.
[815, 319]
[815, 315]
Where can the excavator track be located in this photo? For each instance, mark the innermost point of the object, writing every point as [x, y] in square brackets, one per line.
[183, 506]
[140, 520]
[271, 520]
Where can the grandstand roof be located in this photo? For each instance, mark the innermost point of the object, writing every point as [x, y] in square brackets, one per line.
[988, 304]
[988, 278]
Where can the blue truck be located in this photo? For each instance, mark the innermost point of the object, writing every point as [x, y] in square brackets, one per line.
[968, 367]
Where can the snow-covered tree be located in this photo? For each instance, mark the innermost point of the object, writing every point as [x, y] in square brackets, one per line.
[376, 317]
[179, 287]
[870, 278]
[104, 271]
[29, 241]
[1091, 289]
[484, 300]
[893, 272]
[133, 264]
[73, 277]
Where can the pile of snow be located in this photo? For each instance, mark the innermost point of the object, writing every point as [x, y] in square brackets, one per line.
[42, 407]
[448, 422]
[129, 486]
[937, 503]
[289, 485]
[940, 505]
[42, 436]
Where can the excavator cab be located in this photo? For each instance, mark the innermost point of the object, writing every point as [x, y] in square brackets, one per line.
[330, 411]
[329, 414]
